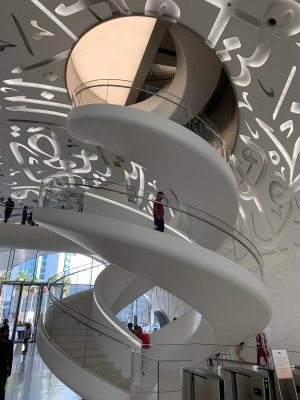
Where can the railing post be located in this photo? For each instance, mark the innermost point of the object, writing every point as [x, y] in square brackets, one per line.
[131, 376]
[85, 346]
[234, 249]
[158, 383]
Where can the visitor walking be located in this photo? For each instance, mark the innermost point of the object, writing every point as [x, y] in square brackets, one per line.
[6, 358]
[9, 206]
[158, 213]
[27, 336]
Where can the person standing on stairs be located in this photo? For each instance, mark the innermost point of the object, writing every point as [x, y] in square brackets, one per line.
[158, 213]
[143, 336]
[6, 358]
[130, 327]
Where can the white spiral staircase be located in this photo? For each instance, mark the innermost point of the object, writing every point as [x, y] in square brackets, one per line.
[81, 340]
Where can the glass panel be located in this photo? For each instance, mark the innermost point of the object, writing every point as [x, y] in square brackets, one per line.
[144, 377]
[44, 300]
[10, 295]
[24, 272]
[29, 307]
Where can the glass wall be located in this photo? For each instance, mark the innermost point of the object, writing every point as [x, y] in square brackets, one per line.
[36, 266]
[24, 277]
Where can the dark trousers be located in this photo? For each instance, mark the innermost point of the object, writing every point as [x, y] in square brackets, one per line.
[25, 344]
[3, 379]
[7, 214]
[159, 224]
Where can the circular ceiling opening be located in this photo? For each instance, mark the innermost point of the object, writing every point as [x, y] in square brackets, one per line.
[135, 49]
[130, 58]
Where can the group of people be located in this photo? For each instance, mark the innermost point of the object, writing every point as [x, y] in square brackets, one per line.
[23, 334]
[143, 336]
[9, 205]
[158, 212]
[6, 353]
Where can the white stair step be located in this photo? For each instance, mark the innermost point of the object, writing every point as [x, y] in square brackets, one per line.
[71, 332]
[102, 367]
[66, 346]
[91, 361]
[111, 376]
[88, 352]
[123, 383]
[67, 339]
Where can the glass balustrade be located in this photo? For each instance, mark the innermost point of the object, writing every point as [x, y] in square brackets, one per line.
[181, 220]
[156, 369]
[148, 372]
[152, 99]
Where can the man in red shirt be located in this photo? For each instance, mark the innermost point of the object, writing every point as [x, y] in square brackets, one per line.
[158, 213]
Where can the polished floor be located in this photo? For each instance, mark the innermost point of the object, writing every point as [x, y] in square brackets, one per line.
[32, 380]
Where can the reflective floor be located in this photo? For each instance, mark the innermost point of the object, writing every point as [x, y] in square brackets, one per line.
[32, 380]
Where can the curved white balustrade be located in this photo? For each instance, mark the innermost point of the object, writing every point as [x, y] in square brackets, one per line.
[177, 157]
[224, 296]
[197, 272]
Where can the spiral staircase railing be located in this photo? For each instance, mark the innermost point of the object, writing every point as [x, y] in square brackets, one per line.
[143, 367]
[71, 193]
[183, 113]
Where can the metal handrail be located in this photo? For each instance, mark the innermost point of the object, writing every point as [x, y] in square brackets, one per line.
[255, 253]
[79, 88]
[158, 93]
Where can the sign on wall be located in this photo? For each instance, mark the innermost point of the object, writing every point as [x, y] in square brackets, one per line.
[284, 375]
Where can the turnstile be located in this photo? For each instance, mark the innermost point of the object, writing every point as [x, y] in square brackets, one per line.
[245, 384]
[296, 374]
[201, 385]
[269, 373]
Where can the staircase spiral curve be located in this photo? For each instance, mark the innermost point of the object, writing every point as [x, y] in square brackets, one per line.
[224, 296]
